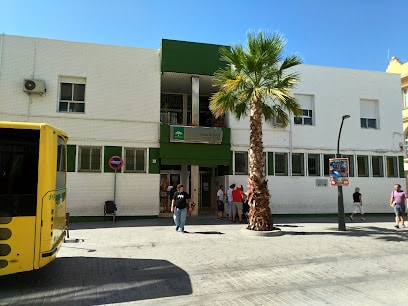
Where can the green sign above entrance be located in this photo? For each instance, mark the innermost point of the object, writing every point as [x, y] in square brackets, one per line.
[192, 134]
[178, 133]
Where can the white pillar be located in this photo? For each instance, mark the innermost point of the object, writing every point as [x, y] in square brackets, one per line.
[195, 100]
[195, 181]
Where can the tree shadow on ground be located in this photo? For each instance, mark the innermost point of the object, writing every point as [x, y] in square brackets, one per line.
[380, 233]
[205, 232]
[206, 220]
[209, 219]
[95, 281]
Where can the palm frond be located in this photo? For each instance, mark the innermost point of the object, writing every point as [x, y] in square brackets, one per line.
[259, 71]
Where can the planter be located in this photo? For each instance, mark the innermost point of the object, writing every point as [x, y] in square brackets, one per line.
[272, 233]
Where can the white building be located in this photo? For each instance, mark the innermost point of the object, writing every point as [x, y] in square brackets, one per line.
[127, 101]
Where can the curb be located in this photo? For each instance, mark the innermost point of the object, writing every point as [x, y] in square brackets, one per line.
[273, 233]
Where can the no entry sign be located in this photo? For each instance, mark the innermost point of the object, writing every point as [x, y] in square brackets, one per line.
[115, 162]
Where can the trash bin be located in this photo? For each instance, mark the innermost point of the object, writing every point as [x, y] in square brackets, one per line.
[110, 209]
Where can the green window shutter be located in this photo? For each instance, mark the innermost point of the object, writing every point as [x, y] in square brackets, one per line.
[270, 164]
[108, 153]
[230, 172]
[401, 166]
[154, 156]
[71, 153]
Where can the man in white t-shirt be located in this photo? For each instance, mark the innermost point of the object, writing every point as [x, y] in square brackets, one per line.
[229, 199]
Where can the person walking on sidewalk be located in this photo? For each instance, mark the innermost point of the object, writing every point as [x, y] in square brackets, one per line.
[181, 200]
[357, 205]
[237, 196]
[220, 203]
[398, 200]
[230, 200]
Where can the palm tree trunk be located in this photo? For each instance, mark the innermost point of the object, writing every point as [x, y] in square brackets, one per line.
[260, 216]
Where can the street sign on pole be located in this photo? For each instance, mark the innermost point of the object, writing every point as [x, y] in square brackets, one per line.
[115, 162]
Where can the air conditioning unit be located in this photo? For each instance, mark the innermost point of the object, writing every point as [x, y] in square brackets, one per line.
[34, 87]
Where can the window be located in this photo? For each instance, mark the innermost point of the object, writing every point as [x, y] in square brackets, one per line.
[298, 162]
[369, 114]
[326, 158]
[405, 97]
[174, 106]
[241, 162]
[171, 108]
[392, 166]
[362, 165]
[378, 166]
[206, 118]
[406, 144]
[135, 160]
[281, 163]
[305, 118]
[277, 122]
[313, 164]
[89, 159]
[351, 164]
[367, 123]
[72, 95]
[61, 164]
[306, 103]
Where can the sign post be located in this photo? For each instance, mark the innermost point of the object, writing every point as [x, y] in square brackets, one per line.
[339, 176]
[339, 172]
[115, 163]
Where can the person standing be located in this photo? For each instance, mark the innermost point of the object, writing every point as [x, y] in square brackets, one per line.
[230, 200]
[398, 201]
[237, 197]
[220, 203]
[181, 201]
[357, 205]
[164, 194]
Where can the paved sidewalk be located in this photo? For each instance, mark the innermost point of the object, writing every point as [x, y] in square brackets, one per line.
[147, 262]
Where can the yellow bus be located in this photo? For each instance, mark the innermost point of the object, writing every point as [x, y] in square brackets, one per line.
[32, 195]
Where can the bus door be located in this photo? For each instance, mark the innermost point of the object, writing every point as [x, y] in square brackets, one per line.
[53, 200]
[18, 198]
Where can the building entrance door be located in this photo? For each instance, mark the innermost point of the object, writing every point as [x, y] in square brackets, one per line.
[205, 190]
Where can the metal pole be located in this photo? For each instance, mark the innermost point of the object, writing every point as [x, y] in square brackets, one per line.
[340, 200]
[114, 190]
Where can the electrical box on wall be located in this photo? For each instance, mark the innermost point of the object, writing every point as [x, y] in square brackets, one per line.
[34, 87]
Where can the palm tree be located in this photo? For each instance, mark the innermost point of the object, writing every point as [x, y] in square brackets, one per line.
[257, 80]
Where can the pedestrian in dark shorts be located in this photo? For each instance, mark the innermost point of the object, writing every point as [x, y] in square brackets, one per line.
[220, 203]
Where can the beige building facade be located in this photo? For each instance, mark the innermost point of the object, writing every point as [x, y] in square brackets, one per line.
[396, 66]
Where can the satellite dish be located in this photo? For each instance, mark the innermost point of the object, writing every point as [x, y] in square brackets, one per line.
[29, 85]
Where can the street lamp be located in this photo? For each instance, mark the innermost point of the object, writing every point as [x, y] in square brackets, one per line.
[340, 202]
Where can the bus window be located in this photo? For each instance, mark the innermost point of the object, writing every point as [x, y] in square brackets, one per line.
[61, 171]
[19, 151]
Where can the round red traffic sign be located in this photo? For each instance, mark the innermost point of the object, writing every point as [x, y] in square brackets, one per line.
[115, 162]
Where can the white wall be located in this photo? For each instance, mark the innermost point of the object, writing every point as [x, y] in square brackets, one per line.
[135, 193]
[122, 108]
[336, 92]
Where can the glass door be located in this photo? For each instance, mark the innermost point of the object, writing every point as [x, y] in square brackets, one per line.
[205, 190]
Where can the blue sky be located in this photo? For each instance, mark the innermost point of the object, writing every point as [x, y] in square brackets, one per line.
[358, 34]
